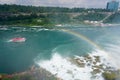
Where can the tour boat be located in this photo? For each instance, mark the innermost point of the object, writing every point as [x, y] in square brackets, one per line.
[17, 39]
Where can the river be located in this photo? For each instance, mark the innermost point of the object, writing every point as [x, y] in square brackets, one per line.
[42, 44]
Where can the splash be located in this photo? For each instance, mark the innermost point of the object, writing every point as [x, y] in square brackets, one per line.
[70, 69]
[114, 50]
[66, 69]
[62, 68]
[113, 60]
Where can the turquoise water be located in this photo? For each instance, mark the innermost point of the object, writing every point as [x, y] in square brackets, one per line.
[43, 43]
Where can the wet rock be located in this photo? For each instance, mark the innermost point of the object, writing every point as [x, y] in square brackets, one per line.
[95, 71]
[97, 58]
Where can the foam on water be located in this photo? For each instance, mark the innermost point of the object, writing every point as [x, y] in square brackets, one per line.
[111, 44]
[66, 70]
[114, 51]
[106, 58]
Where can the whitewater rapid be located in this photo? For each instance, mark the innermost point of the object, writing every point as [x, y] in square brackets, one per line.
[64, 69]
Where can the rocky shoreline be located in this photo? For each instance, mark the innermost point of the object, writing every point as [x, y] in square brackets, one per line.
[98, 68]
[32, 74]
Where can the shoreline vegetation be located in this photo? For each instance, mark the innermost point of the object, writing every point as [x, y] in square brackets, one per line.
[33, 73]
[19, 15]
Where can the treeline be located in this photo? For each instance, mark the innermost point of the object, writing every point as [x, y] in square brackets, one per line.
[91, 17]
[36, 16]
[33, 9]
[34, 19]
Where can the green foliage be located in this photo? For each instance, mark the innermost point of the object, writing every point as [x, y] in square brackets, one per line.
[58, 18]
[35, 16]
[22, 19]
[34, 19]
[90, 16]
[109, 75]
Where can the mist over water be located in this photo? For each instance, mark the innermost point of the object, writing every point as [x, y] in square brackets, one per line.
[42, 44]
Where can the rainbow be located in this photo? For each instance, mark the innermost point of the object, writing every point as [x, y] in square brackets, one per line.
[83, 37]
[90, 42]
